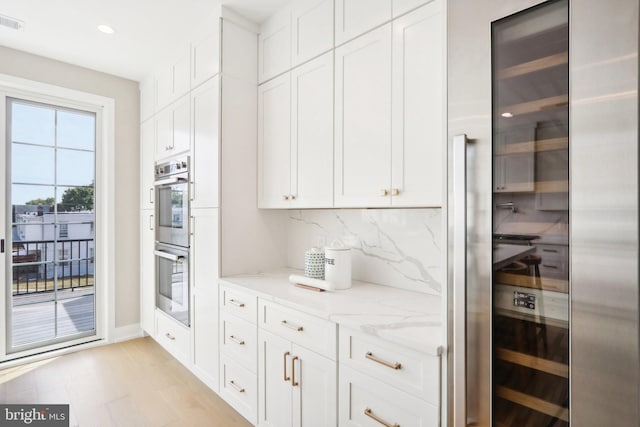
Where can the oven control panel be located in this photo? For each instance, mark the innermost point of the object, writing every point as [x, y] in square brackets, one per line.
[172, 167]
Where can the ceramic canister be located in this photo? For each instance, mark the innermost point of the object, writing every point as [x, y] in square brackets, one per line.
[337, 268]
[314, 263]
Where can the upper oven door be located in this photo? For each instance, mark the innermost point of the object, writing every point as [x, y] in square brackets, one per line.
[172, 211]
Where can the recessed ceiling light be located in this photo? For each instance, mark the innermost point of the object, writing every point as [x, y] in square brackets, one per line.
[106, 29]
[507, 115]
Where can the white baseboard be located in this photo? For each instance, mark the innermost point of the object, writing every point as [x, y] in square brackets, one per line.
[125, 333]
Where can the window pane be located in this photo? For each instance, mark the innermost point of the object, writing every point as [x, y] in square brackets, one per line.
[75, 200]
[32, 164]
[32, 124]
[76, 130]
[32, 200]
[75, 167]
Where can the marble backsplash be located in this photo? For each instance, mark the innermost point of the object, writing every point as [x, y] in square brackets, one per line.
[393, 247]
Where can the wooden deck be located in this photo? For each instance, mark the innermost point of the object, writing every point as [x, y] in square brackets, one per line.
[34, 315]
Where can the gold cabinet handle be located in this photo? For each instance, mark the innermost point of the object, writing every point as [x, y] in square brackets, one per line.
[236, 303]
[395, 192]
[236, 386]
[290, 326]
[171, 337]
[292, 197]
[151, 222]
[396, 365]
[236, 340]
[293, 371]
[284, 369]
[369, 413]
[151, 194]
[384, 192]
[285, 197]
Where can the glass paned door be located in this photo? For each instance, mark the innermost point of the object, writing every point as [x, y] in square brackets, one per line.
[530, 283]
[51, 171]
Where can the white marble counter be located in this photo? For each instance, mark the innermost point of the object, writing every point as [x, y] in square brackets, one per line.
[411, 319]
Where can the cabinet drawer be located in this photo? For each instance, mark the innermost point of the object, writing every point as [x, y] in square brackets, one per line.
[308, 331]
[405, 369]
[238, 340]
[174, 337]
[365, 401]
[239, 388]
[240, 304]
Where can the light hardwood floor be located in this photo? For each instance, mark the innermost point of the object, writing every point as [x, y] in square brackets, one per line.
[133, 383]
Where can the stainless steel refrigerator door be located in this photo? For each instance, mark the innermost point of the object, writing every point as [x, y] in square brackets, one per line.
[604, 209]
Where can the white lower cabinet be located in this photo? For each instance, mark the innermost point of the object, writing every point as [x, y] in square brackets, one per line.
[238, 386]
[174, 337]
[297, 387]
[366, 401]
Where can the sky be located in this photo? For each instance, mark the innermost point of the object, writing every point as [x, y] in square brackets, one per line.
[49, 147]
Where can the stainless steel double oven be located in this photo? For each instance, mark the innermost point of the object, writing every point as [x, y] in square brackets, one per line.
[172, 238]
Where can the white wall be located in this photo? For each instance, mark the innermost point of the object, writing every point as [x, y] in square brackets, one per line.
[127, 136]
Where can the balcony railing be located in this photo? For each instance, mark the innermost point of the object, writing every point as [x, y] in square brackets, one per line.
[38, 264]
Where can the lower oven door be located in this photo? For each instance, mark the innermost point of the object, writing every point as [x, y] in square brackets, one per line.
[172, 279]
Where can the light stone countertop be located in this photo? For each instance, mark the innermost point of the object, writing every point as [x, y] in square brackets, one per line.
[410, 319]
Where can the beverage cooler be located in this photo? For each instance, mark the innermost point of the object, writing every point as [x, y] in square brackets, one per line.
[543, 132]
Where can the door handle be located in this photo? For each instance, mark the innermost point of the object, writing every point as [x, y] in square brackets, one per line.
[151, 222]
[151, 194]
[284, 369]
[459, 278]
[170, 257]
[1, 245]
[293, 371]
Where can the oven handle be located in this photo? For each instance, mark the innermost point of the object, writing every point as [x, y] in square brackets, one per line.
[167, 255]
[168, 181]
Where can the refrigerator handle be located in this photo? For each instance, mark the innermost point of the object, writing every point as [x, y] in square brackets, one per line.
[459, 297]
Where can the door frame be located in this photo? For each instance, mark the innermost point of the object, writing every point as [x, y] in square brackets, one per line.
[104, 108]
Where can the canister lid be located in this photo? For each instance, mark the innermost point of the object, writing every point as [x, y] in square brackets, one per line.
[337, 245]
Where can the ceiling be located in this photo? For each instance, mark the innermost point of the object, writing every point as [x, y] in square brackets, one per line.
[146, 30]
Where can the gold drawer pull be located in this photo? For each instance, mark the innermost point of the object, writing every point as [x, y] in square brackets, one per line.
[290, 326]
[236, 303]
[236, 340]
[171, 337]
[396, 365]
[293, 371]
[236, 387]
[373, 416]
[284, 369]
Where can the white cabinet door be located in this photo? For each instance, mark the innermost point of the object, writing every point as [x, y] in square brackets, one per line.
[363, 121]
[204, 275]
[315, 389]
[147, 273]
[174, 80]
[205, 150]
[312, 134]
[147, 150]
[418, 108]
[404, 6]
[164, 86]
[274, 128]
[181, 126]
[274, 45]
[312, 29]
[205, 56]
[164, 132]
[274, 380]
[355, 17]
[147, 98]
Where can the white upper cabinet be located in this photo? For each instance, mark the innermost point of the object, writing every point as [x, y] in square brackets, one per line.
[205, 149]
[173, 81]
[418, 108]
[363, 121]
[355, 17]
[205, 55]
[274, 45]
[312, 134]
[147, 162]
[147, 98]
[404, 6]
[173, 129]
[274, 142]
[312, 29]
